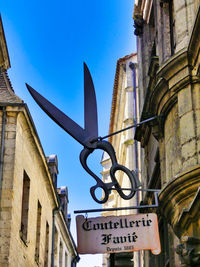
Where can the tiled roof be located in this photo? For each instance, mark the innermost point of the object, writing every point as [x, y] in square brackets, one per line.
[7, 94]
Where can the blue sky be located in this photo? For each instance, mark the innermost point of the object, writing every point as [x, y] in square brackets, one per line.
[48, 41]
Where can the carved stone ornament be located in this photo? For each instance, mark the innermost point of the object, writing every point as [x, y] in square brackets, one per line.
[189, 252]
[138, 25]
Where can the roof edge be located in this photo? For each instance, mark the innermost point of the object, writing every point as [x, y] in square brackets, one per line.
[115, 87]
[4, 55]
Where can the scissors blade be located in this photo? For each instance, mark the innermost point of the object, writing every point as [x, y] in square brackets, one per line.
[59, 117]
[90, 105]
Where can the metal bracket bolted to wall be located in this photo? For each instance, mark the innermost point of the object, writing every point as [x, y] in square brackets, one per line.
[155, 205]
[130, 127]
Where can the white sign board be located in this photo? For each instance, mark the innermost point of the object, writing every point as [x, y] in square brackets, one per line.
[114, 234]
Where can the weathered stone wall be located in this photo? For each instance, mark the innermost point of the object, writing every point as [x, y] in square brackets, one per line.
[172, 92]
[179, 147]
[179, 101]
[125, 115]
[22, 153]
[66, 255]
[7, 185]
[177, 98]
[185, 13]
[157, 32]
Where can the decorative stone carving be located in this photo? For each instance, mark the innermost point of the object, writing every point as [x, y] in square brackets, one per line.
[138, 25]
[189, 252]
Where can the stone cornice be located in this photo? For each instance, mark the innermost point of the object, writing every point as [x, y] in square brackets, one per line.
[171, 64]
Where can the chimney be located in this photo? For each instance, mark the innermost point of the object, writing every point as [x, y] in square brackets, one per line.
[52, 162]
[63, 196]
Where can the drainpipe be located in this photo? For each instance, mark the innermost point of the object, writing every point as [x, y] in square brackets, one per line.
[55, 211]
[133, 67]
[171, 27]
[75, 260]
[2, 147]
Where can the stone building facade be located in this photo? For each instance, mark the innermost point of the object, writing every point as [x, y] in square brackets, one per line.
[168, 45]
[124, 112]
[33, 227]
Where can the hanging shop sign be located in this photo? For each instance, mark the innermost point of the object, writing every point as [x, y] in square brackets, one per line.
[89, 138]
[114, 234]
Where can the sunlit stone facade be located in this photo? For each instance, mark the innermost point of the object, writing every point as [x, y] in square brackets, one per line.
[124, 112]
[168, 42]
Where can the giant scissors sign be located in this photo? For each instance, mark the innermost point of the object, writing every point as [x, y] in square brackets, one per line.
[89, 138]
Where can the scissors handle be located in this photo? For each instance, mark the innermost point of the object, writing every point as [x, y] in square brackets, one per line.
[107, 187]
[100, 184]
[106, 146]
